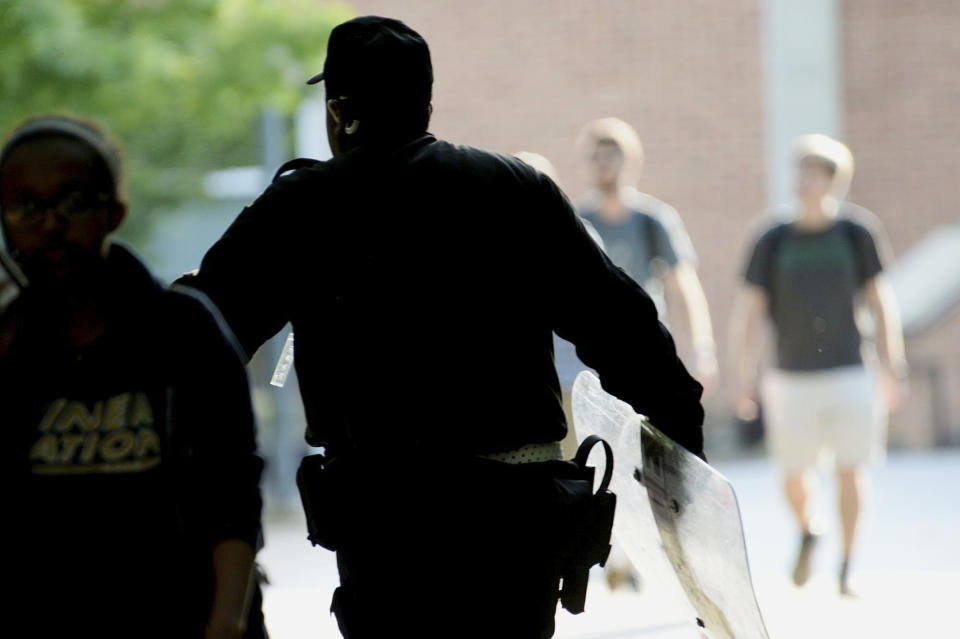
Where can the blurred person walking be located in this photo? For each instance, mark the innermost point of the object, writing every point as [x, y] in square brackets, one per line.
[645, 236]
[810, 275]
[424, 351]
[130, 437]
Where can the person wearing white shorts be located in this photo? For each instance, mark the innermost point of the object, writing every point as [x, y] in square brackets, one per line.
[808, 275]
[812, 417]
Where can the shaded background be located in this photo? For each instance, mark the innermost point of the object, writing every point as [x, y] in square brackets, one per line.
[203, 92]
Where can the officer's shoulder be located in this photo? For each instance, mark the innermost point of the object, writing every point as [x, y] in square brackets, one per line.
[298, 182]
[484, 163]
[292, 166]
[303, 172]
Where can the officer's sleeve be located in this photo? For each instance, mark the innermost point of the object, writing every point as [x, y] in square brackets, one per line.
[614, 324]
[212, 425]
[243, 274]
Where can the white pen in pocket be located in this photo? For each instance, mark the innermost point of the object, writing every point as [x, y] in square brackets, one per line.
[284, 364]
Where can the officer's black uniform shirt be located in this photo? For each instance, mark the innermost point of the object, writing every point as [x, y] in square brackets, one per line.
[423, 282]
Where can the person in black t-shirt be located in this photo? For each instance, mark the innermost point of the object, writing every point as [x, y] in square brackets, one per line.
[809, 276]
[127, 417]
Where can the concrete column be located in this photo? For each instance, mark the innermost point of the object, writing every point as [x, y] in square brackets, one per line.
[802, 81]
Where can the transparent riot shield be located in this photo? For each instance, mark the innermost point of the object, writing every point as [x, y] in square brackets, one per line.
[677, 518]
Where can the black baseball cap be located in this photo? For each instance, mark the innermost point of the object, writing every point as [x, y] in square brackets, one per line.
[372, 56]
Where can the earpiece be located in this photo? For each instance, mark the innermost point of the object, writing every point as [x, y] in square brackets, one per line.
[351, 128]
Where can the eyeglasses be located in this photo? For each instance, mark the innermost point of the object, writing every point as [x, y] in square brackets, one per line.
[69, 207]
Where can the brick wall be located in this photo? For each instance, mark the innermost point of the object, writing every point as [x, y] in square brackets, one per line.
[902, 92]
[527, 75]
[514, 75]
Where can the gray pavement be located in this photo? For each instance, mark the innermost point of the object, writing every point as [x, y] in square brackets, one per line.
[907, 569]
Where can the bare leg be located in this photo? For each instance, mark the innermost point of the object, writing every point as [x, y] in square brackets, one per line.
[797, 486]
[849, 483]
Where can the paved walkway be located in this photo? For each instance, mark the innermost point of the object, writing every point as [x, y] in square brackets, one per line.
[907, 569]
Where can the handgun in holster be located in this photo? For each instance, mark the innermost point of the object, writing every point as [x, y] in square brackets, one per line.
[321, 486]
[591, 528]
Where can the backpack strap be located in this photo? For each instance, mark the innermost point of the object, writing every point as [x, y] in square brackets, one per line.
[776, 241]
[648, 237]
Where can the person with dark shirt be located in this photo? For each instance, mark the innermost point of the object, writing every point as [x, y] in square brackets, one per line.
[126, 408]
[424, 353]
[645, 236]
[809, 276]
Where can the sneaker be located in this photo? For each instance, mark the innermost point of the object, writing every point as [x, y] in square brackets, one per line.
[845, 589]
[801, 570]
[623, 577]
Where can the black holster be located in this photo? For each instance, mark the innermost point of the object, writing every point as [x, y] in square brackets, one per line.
[590, 523]
[551, 504]
[322, 483]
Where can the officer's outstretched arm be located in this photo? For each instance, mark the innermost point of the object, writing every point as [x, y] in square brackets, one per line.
[615, 327]
[243, 273]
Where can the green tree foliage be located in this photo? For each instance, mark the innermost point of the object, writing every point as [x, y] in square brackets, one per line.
[180, 82]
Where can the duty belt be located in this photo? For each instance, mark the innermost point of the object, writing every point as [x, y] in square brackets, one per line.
[529, 453]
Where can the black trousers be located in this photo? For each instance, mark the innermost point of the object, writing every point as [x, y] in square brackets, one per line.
[463, 556]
